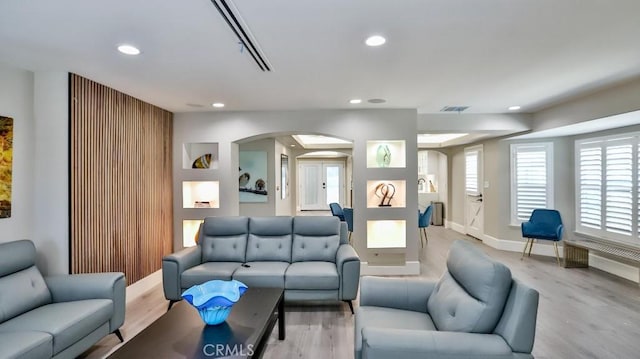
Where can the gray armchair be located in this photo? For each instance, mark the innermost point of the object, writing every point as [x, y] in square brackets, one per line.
[59, 316]
[476, 310]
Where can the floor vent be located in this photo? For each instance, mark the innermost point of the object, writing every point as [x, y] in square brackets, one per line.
[225, 8]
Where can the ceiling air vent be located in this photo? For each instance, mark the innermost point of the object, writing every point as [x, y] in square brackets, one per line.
[454, 108]
[248, 42]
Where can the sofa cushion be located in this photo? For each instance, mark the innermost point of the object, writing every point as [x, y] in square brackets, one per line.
[224, 239]
[311, 275]
[269, 239]
[262, 274]
[471, 294]
[22, 291]
[26, 345]
[315, 239]
[208, 271]
[389, 318]
[67, 322]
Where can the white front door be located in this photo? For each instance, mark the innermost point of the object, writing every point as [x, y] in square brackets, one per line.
[474, 204]
[321, 183]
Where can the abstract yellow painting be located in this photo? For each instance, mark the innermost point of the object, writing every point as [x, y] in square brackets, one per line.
[6, 164]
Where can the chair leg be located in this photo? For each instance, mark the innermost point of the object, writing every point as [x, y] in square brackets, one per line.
[424, 230]
[531, 246]
[119, 335]
[350, 305]
[171, 303]
[555, 247]
[525, 248]
[350, 237]
[420, 234]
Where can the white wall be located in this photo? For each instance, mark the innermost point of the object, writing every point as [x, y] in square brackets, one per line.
[38, 105]
[51, 190]
[16, 101]
[362, 125]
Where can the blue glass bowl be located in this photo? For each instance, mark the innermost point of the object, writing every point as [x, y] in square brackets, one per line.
[214, 299]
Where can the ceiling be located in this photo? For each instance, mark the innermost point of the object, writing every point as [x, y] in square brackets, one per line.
[488, 54]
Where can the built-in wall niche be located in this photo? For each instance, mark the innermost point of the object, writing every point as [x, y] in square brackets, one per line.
[200, 155]
[387, 234]
[385, 194]
[386, 154]
[200, 194]
[189, 231]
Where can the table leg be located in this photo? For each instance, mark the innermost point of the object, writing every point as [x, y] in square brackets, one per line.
[281, 332]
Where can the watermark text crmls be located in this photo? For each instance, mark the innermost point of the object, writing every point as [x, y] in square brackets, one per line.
[224, 350]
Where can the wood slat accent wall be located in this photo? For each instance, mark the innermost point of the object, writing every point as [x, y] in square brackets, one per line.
[121, 186]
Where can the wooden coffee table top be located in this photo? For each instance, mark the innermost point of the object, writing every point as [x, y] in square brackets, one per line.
[181, 333]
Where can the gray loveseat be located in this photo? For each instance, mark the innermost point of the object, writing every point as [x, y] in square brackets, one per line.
[309, 257]
[476, 310]
[59, 316]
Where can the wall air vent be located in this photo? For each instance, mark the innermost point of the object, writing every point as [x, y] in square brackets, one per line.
[454, 108]
[248, 42]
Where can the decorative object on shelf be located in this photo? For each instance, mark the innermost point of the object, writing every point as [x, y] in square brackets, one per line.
[284, 176]
[385, 191]
[253, 164]
[421, 182]
[214, 299]
[203, 162]
[383, 156]
[6, 165]
[202, 204]
[432, 188]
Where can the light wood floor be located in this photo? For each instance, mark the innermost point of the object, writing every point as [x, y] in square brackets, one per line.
[583, 313]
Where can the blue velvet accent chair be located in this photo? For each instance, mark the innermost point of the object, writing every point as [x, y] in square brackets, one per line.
[476, 310]
[348, 217]
[424, 220]
[337, 211]
[544, 224]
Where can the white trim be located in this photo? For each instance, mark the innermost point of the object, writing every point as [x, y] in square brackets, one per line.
[143, 285]
[616, 268]
[456, 227]
[409, 268]
[541, 248]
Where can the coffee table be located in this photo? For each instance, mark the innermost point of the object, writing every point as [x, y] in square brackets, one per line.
[181, 333]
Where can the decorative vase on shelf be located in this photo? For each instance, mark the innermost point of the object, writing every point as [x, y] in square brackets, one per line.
[432, 188]
[383, 156]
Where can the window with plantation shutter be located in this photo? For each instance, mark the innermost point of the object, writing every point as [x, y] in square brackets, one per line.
[607, 177]
[531, 179]
[472, 186]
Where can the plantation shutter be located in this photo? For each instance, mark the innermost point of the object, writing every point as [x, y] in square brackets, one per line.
[531, 174]
[590, 186]
[619, 187]
[471, 173]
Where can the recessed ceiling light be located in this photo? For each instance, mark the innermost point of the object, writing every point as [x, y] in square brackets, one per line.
[217, 104]
[375, 40]
[355, 101]
[293, 145]
[514, 108]
[376, 100]
[129, 50]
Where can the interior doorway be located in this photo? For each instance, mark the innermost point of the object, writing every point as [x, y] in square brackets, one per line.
[321, 182]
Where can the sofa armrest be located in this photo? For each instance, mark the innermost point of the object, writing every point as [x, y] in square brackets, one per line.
[399, 293]
[348, 265]
[383, 343]
[172, 267]
[67, 288]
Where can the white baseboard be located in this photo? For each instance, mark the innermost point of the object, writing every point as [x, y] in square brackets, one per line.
[616, 268]
[409, 268]
[544, 248]
[143, 285]
[455, 226]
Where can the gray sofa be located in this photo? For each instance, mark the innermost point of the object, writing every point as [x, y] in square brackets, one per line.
[476, 310]
[60, 316]
[309, 257]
